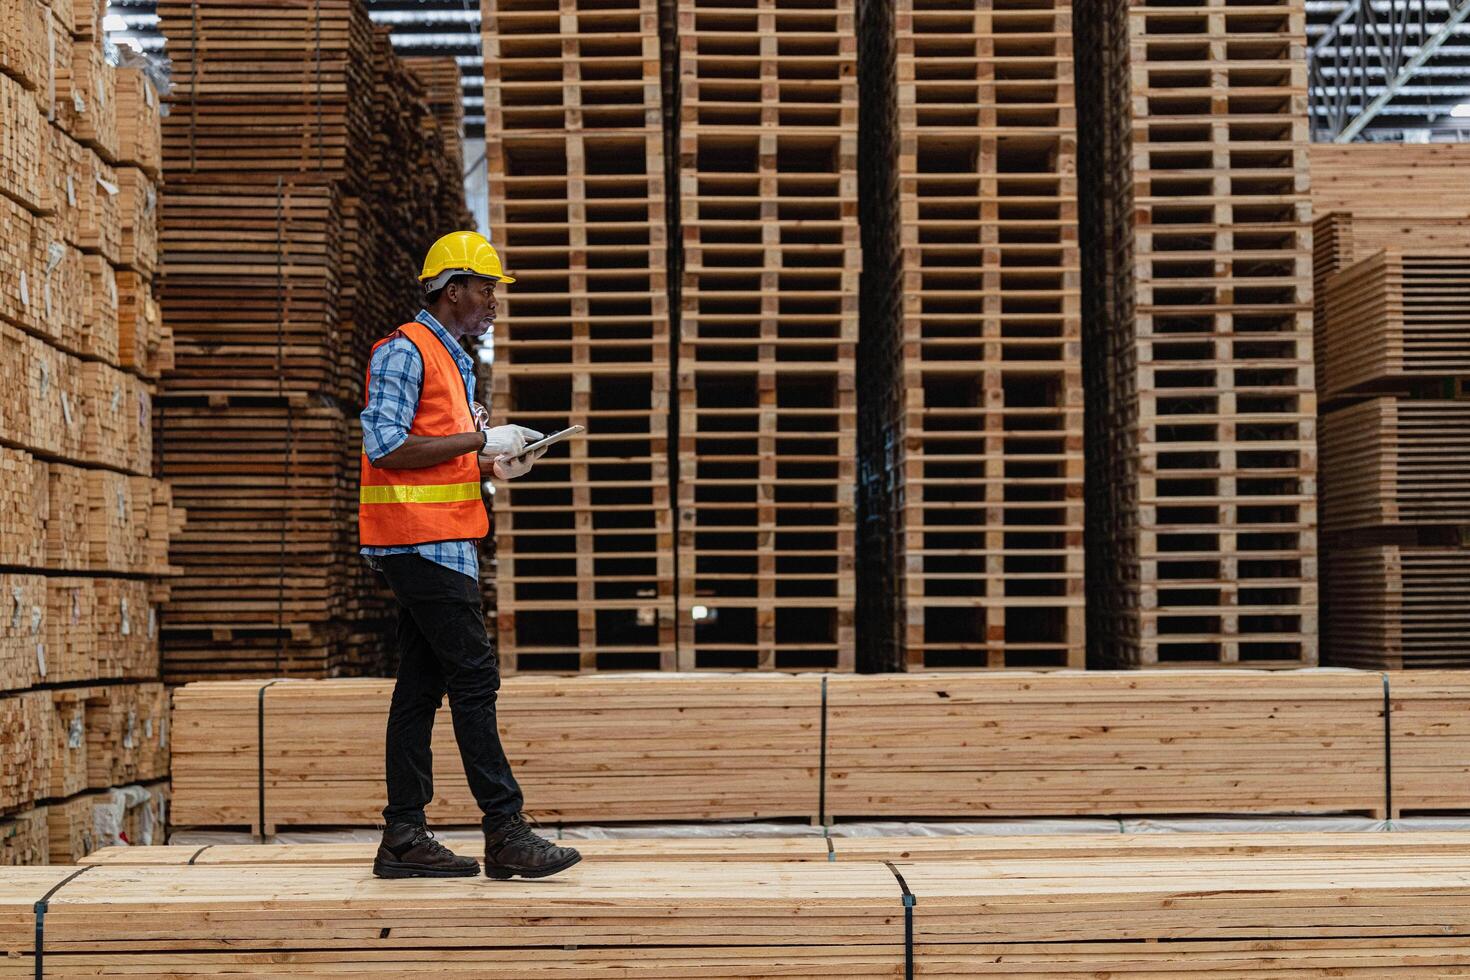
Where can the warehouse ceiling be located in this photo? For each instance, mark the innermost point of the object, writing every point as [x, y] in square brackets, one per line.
[1406, 62]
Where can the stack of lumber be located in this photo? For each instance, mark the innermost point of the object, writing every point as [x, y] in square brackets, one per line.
[972, 408]
[115, 819]
[316, 151]
[1393, 270]
[1352, 909]
[768, 318]
[1201, 412]
[85, 529]
[616, 747]
[788, 850]
[584, 544]
[677, 746]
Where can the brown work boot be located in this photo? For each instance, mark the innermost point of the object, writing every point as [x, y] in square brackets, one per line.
[514, 849]
[410, 850]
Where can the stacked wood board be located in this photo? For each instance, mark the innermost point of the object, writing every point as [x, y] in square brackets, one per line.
[619, 747]
[1199, 365]
[85, 529]
[973, 423]
[770, 259]
[1393, 362]
[1002, 847]
[663, 747]
[1366, 912]
[584, 544]
[286, 150]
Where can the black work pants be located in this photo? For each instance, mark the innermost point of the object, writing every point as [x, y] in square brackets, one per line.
[443, 647]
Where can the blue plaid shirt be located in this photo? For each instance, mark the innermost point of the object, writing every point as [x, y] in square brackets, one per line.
[397, 377]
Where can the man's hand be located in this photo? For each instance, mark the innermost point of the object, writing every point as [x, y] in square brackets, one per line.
[504, 467]
[508, 440]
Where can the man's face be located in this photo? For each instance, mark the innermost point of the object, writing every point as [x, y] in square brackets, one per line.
[474, 303]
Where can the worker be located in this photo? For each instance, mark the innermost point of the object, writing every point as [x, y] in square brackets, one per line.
[426, 448]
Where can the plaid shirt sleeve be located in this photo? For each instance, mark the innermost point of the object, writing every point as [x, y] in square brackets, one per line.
[397, 377]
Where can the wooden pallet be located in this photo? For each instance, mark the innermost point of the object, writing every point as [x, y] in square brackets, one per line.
[973, 456]
[1393, 323]
[1398, 606]
[1202, 407]
[766, 372]
[584, 545]
[1395, 461]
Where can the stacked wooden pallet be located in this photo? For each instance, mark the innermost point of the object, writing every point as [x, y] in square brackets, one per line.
[766, 375]
[1394, 272]
[86, 527]
[1200, 370]
[973, 453]
[1351, 912]
[585, 544]
[661, 747]
[296, 139]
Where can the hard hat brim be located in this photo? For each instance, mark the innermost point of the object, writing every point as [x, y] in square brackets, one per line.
[438, 281]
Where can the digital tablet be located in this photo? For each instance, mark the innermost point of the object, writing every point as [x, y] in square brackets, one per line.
[552, 439]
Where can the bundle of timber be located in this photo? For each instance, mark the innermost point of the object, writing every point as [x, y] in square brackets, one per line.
[117, 819]
[767, 135]
[1369, 912]
[972, 433]
[90, 739]
[1393, 270]
[297, 141]
[1201, 409]
[788, 850]
[663, 747]
[85, 527]
[585, 544]
[617, 747]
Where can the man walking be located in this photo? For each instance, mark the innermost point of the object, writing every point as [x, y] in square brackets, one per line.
[420, 517]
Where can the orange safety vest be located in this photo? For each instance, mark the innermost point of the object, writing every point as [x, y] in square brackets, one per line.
[432, 503]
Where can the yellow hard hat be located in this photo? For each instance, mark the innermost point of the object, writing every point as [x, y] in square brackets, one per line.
[461, 253]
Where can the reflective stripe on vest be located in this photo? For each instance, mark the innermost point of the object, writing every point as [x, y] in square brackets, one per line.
[430, 503]
[420, 494]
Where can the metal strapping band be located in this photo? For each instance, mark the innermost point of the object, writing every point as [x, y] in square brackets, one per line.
[40, 907]
[195, 856]
[260, 755]
[1387, 753]
[822, 761]
[909, 901]
[831, 851]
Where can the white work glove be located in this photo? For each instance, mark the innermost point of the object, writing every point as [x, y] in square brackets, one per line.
[510, 467]
[508, 440]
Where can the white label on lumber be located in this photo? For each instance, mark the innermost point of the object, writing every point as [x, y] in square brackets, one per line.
[162, 744]
[107, 186]
[41, 659]
[66, 409]
[147, 727]
[122, 505]
[116, 398]
[77, 102]
[55, 252]
[76, 606]
[101, 92]
[46, 296]
[45, 377]
[75, 731]
[25, 294]
[127, 627]
[36, 615]
[15, 597]
[71, 191]
[128, 736]
[152, 621]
